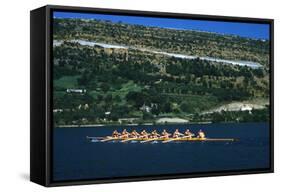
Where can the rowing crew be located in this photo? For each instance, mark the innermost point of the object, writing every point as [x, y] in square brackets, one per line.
[154, 134]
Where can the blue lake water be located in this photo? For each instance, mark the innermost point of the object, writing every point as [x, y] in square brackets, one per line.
[75, 158]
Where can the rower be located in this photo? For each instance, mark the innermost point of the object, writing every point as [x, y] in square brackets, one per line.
[125, 134]
[188, 134]
[154, 134]
[144, 134]
[201, 134]
[165, 134]
[115, 134]
[177, 134]
[134, 134]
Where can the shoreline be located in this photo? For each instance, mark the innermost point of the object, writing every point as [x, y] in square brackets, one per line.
[146, 124]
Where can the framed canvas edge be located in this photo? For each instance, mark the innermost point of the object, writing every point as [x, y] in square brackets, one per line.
[51, 8]
[49, 128]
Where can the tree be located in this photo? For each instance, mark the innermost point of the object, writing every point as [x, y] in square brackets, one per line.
[138, 98]
[184, 106]
[167, 107]
[105, 87]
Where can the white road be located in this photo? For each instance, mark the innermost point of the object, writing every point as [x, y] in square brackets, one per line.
[176, 55]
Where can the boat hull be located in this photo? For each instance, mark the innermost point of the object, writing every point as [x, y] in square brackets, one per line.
[104, 139]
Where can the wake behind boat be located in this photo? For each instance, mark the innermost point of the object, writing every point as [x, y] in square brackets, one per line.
[164, 137]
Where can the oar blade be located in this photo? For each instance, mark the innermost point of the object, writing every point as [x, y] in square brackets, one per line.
[130, 139]
[174, 139]
[108, 139]
[148, 140]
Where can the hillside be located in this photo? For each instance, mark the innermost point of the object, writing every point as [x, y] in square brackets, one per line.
[108, 73]
[170, 40]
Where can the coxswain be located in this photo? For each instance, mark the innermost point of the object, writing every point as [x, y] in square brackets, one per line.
[115, 134]
[201, 134]
[134, 134]
[188, 134]
[165, 134]
[177, 134]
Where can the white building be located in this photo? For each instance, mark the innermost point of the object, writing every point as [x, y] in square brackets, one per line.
[57, 110]
[76, 90]
[246, 108]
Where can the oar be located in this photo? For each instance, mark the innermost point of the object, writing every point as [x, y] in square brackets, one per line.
[108, 139]
[174, 139]
[148, 140]
[219, 139]
[87, 137]
[129, 139]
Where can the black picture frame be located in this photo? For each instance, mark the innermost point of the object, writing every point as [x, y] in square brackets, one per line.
[41, 93]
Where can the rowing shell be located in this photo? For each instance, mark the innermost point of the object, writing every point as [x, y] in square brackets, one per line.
[174, 139]
[143, 140]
